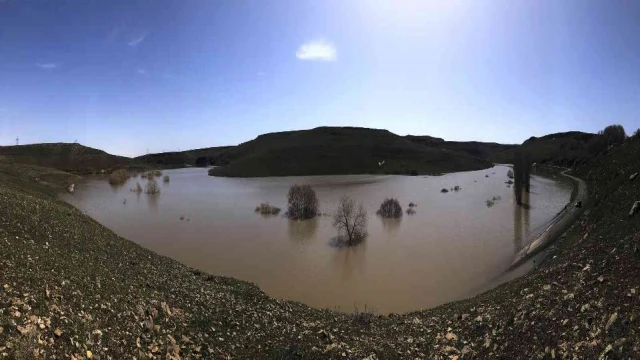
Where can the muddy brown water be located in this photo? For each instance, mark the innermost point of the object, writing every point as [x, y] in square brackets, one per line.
[451, 247]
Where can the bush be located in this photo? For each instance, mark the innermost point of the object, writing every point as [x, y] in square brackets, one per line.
[444, 191]
[510, 174]
[410, 211]
[636, 134]
[157, 173]
[152, 187]
[118, 177]
[614, 134]
[411, 204]
[351, 222]
[302, 202]
[390, 208]
[166, 178]
[266, 209]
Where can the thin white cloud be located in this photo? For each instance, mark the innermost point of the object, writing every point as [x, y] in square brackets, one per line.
[135, 42]
[318, 50]
[141, 71]
[47, 66]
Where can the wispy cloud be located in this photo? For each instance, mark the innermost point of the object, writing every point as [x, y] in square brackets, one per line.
[141, 71]
[136, 41]
[319, 50]
[47, 66]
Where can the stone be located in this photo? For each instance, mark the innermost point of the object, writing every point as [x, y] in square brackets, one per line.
[451, 337]
[89, 354]
[634, 208]
[633, 176]
[72, 188]
[546, 287]
[612, 320]
[450, 350]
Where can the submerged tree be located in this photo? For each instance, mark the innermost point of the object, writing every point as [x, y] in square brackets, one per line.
[351, 222]
[302, 202]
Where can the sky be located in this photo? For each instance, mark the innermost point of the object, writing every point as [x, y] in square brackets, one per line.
[131, 77]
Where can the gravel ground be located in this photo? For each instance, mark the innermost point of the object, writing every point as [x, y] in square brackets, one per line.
[71, 288]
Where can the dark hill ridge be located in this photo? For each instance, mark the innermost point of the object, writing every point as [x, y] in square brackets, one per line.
[195, 157]
[561, 149]
[69, 157]
[339, 150]
[482, 150]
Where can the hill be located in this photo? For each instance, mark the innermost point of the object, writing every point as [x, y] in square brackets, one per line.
[560, 149]
[195, 157]
[339, 150]
[482, 150]
[69, 157]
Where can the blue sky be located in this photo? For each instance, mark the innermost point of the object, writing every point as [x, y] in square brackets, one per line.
[131, 76]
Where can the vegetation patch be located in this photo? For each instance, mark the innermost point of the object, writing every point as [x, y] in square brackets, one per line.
[390, 208]
[350, 220]
[118, 177]
[152, 187]
[266, 209]
[302, 202]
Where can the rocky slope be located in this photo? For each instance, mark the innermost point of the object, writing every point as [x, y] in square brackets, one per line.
[70, 288]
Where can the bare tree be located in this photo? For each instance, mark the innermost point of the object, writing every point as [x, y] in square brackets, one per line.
[350, 221]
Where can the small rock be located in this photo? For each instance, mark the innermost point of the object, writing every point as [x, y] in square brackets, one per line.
[57, 332]
[479, 318]
[451, 337]
[72, 188]
[634, 208]
[450, 350]
[584, 308]
[633, 176]
[611, 321]
[89, 354]
[546, 287]
[601, 278]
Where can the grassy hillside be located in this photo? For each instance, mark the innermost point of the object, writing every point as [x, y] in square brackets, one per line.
[195, 157]
[560, 149]
[67, 157]
[339, 150]
[482, 150]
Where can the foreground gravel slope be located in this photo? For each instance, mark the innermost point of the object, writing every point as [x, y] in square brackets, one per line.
[70, 288]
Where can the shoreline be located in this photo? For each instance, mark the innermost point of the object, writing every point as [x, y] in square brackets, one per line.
[558, 225]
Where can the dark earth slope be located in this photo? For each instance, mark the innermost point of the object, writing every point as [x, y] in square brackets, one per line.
[67, 157]
[559, 149]
[68, 286]
[482, 150]
[177, 159]
[335, 150]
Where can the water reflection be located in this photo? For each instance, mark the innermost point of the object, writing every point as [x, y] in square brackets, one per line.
[350, 260]
[391, 225]
[521, 222]
[152, 202]
[302, 231]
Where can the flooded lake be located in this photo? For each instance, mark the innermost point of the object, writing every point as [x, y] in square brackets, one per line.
[451, 247]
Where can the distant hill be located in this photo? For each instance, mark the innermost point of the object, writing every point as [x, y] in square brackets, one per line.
[339, 150]
[74, 158]
[483, 150]
[561, 149]
[196, 157]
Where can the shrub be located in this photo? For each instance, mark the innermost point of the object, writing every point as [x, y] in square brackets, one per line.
[266, 209]
[390, 208]
[302, 203]
[166, 178]
[410, 211]
[636, 134]
[614, 134]
[152, 187]
[411, 204]
[157, 173]
[444, 191]
[118, 177]
[510, 174]
[457, 188]
[351, 222]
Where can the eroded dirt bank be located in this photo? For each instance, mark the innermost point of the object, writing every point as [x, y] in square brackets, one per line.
[70, 288]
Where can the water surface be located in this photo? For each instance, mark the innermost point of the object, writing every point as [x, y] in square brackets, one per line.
[452, 246]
